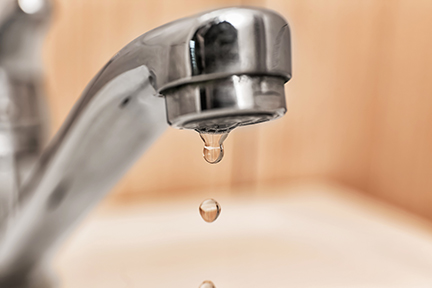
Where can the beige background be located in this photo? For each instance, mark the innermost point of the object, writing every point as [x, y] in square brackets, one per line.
[360, 101]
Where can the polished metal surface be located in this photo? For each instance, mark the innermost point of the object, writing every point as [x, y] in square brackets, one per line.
[216, 70]
[221, 105]
[208, 46]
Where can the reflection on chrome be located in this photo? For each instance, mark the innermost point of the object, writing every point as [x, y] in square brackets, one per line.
[31, 6]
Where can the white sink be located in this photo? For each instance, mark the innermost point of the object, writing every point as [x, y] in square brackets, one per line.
[311, 235]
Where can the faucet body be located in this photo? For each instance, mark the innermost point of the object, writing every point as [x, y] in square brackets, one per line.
[211, 72]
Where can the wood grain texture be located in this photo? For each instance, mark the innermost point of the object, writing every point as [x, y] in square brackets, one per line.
[325, 132]
[360, 101]
[401, 156]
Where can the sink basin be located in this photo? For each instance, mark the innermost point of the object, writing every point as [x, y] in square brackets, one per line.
[299, 235]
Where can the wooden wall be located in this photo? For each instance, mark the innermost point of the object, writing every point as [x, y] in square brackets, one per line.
[400, 159]
[360, 101]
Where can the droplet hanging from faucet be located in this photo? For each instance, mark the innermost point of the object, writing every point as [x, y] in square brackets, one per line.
[207, 284]
[210, 210]
[213, 151]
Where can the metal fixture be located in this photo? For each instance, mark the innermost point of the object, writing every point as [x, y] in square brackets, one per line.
[211, 72]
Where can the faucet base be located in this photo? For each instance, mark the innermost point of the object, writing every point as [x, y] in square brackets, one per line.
[38, 278]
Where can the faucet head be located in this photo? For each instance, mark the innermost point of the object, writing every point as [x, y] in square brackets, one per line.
[218, 106]
[229, 71]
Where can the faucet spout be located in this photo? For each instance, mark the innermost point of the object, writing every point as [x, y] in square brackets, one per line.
[211, 72]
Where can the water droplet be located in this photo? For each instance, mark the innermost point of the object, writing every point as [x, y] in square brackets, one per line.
[209, 210]
[213, 146]
[207, 284]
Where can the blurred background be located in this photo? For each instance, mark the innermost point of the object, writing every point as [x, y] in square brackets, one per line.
[360, 100]
[339, 188]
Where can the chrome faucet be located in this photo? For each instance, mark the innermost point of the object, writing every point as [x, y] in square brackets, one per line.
[211, 73]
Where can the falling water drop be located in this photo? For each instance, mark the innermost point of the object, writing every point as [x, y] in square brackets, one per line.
[213, 146]
[207, 284]
[209, 210]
